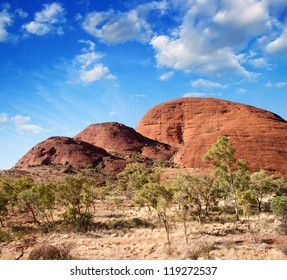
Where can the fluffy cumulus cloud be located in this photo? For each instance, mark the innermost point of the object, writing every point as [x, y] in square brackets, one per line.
[46, 21]
[88, 62]
[22, 123]
[117, 27]
[213, 36]
[6, 20]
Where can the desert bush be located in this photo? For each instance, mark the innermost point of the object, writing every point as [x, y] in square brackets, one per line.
[50, 252]
[281, 187]
[279, 207]
[245, 199]
[4, 236]
[77, 195]
[45, 201]
[262, 185]
[201, 250]
[3, 203]
[135, 176]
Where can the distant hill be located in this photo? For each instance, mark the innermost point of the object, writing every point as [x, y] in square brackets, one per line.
[178, 131]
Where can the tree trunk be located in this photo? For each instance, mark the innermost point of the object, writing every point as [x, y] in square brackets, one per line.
[259, 205]
[235, 202]
[33, 214]
[185, 228]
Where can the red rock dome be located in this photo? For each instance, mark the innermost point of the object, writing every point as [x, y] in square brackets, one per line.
[63, 151]
[193, 125]
[116, 137]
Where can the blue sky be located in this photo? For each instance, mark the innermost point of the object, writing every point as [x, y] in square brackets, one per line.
[67, 64]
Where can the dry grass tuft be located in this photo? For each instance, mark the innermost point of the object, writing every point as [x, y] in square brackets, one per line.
[50, 252]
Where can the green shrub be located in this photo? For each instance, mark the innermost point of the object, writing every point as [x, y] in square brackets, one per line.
[279, 207]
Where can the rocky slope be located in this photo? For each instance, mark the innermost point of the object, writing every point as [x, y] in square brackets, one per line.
[116, 137]
[193, 124]
[63, 151]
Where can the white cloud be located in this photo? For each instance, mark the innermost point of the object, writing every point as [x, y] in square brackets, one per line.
[111, 114]
[213, 37]
[166, 76]
[3, 118]
[140, 95]
[88, 62]
[180, 55]
[91, 45]
[52, 13]
[260, 63]
[96, 73]
[194, 94]
[37, 28]
[6, 20]
[117, 27]
[252, 20]
[78, 17]
[280, 85]
[46, 21]
[241, 90]
[201, 83]
[277, 85]
[87, 59]
[22, 124]
[279, 45]
[269, 85]
[21, 13]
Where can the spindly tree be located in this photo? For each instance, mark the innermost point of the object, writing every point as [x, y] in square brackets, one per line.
[228, 170]
[158, 197]
[195, 196]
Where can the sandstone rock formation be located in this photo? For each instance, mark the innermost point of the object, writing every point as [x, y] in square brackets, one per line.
[116, 137]
[193, 125]
[63, 151]
[182, 129]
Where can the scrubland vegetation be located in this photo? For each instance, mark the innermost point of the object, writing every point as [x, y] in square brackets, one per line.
[225, 214]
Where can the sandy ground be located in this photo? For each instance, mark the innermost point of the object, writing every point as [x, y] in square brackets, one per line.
[132, 234]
